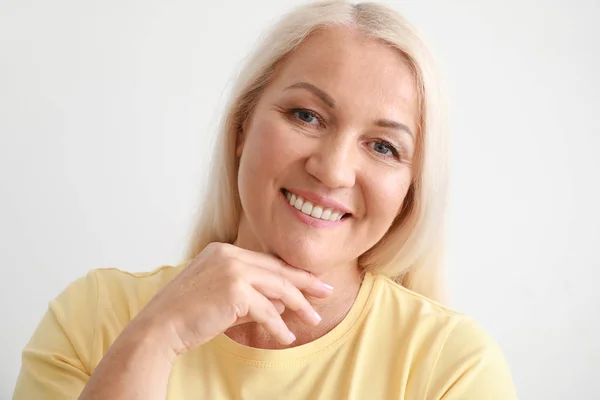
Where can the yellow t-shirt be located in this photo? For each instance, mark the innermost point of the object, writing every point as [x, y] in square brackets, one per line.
[393, 344]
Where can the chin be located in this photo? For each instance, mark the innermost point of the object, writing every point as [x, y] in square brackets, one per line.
[307, 256]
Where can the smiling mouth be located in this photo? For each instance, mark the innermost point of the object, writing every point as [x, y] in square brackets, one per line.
[314, 210]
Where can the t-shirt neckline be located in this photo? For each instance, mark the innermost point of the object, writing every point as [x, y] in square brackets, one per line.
[329, 341]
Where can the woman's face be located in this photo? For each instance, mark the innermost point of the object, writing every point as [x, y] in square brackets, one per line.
[333, 133]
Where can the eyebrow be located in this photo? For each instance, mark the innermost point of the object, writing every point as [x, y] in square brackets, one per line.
[386, 123]
[327, 99]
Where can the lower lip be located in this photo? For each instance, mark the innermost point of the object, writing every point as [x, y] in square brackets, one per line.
[307, 219]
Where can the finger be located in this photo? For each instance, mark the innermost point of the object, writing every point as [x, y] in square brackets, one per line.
[306, 281]
[278, 305]
[274, 285]
[263, 312]
[303, 280]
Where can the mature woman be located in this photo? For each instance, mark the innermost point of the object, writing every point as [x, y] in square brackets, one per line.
[313, 267]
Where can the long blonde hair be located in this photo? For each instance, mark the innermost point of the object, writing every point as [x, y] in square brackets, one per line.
[411, 252]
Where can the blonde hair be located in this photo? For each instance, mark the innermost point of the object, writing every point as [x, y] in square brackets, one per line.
[411, 251]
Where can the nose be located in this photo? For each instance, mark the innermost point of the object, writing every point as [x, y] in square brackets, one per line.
[334, 161]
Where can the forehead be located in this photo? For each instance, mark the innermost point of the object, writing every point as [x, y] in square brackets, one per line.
[354, 69]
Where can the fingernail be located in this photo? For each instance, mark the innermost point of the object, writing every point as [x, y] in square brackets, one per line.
[326, 286]
[293, 337]
[318, 317]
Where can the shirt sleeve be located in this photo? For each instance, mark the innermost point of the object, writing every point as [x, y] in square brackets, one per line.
[470, 366]
[55, 361]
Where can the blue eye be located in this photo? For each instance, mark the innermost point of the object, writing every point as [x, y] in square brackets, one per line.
[306, 117]
[385, 148]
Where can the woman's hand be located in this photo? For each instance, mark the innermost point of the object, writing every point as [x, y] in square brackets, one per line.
[226, 286]
[222, 287]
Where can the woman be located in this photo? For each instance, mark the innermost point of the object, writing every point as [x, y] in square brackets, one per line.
[317, 247]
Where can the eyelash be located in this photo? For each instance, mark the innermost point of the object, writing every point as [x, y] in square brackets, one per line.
[393, 149]
[292, 113]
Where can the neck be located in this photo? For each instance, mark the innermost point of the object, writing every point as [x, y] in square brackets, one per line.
[346, 280]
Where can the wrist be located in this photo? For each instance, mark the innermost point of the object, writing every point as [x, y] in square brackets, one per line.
[153, 338]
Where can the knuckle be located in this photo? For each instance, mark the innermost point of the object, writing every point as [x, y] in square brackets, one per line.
[285, 284]
[271, 313]
[212, 247]
[236, 289]
[312, 278]
[219, 249]
[232, 270]
[240, 309]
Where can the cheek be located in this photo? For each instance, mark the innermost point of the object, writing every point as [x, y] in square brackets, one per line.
[386, 195]
[268, 149]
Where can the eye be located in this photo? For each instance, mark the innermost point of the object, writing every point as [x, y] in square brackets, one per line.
[384, 148]
[306, 116]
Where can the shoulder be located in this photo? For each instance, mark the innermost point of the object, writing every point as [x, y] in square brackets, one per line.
[471, 365]
[457, 357]
[117, 287]
[78, 328]
[410, 323]
[400, 304]
[457, 331]
[96, 307]
[112, 287]
[461, 357]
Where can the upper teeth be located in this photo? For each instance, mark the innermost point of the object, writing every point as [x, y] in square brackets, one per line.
[314, 210]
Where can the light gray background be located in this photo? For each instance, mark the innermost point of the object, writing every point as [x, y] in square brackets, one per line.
[107, 109]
